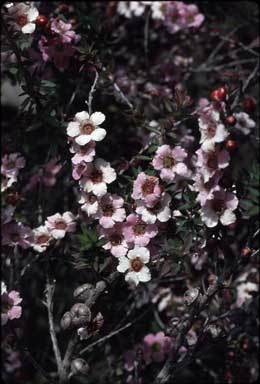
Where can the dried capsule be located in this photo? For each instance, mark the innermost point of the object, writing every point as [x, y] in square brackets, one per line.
[191, 295]
[81, 314]
[83, 291]
[79, 367]
[66, 320]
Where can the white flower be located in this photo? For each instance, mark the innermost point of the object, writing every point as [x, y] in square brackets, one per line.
[89, 203]
[130, 8]
[160, 211]
[3, 288]
[41, 238]
[244, 292]
[86, 128]
[243, 122]
[23, 17]
[157, 10]
[59, 224]
[221, 208]
[134, 263]
[211, 129]
[97, 176]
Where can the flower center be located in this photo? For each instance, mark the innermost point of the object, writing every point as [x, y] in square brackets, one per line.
[42, 239]
[7, 303]
[218, 205]
[22, 20]
[10, 164]
[139, 228]
[115, 239]
[211, 130]
[83, 149]
[156, 347]
[155, 208]
[59, 47]
[60, 224]
[148, 186]
[15, 237]
[212, 161]
[108, 210]
[136, 264]
[96, 176]
[92, 199]
[168, 161]
[87, 128]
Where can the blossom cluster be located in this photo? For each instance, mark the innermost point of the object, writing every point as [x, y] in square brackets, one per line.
[15, 233]
[10, 308]
[126, 236]
[175, 15]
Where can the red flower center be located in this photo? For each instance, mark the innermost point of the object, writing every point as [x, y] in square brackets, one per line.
[96, 176]
[60, 224]
[42, 239]
[22, 20]
[148, 186]
[140, 228]
[218, 205]
[108, 210]
[87, 129]
[15, 236]
[136, 264]
[212, 161]
[115, 239]
[92, 199]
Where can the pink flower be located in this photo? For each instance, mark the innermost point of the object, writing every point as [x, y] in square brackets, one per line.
[110, 210]
[89, 203]
[169, 161]
[160, 211]
[137, 231]
[46, 174]
[83, 153]
[78, 170]
[206, 189]
[97, 176]
[16, 234]
[64, 30]
[190, 16]
[50, 170]
[11, 164]
[56, 50]
[220, 208]
[211, 161]
[41, 238]
[156, 346]
[10, 308]
[211, 129]
[86, 128]
[146, 188]
[116, 243]
[59, 225]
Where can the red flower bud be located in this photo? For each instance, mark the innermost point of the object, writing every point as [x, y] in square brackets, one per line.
[246, 252]
[230, 120]
[41, 20]
[231, 144]
[219, 94]
[249, 104]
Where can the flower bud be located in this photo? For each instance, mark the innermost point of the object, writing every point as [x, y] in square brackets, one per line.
[230, 120]
[83, 291]
[66, 320]
[191, 295]
[81, 314]
[79, 367]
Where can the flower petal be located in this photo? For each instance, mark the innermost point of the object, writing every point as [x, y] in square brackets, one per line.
[98, 134]
[82, 116]
[97, 118]
[83, 139]
[73, 129]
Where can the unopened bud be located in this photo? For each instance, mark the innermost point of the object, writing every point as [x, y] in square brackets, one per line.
[79, 367]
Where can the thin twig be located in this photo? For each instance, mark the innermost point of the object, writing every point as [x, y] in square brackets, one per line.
[90, 96]
[49, 302]
[74, 94]
[122, 95]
